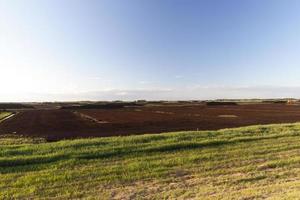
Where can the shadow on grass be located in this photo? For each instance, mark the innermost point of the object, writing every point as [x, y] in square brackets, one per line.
[33, 163]
[169, 148]
[251, 179]
[14, 162]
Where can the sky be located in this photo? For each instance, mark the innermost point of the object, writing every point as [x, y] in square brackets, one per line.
[61, 50]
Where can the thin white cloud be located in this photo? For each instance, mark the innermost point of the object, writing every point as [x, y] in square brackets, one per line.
[178, 76]
[144, 82]
[198, 93]
[95, 78]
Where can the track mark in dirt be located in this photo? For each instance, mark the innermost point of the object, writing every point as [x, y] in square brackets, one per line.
[163, 112]
[90, 118]
[228, 116]
[8, 117]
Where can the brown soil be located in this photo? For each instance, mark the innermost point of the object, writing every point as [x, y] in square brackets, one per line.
[59, 124]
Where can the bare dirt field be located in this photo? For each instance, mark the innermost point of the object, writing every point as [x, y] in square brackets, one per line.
[57, 124]
[52, 124]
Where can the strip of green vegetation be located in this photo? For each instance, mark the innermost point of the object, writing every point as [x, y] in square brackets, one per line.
[4, 114]
[251, 163]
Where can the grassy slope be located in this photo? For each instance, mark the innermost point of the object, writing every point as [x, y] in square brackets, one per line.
[4, 114]
[253, 162]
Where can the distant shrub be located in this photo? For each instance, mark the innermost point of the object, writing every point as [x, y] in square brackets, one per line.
[110, 105]
[276, 101]
[4, 106]
[219, 103]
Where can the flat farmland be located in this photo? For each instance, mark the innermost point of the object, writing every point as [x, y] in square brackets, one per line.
[157, 119]
[56, 124]
[52, 124]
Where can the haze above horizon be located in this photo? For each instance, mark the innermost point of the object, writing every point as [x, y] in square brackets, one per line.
[54, 50]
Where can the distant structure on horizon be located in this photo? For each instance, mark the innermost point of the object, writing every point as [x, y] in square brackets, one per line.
[291, 101]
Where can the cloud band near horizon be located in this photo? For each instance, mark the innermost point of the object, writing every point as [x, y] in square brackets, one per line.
[191, 93]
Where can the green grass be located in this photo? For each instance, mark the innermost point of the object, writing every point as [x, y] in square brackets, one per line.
[4, 114]
[254, 162]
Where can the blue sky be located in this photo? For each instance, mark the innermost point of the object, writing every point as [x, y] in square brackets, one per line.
[154, 49]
